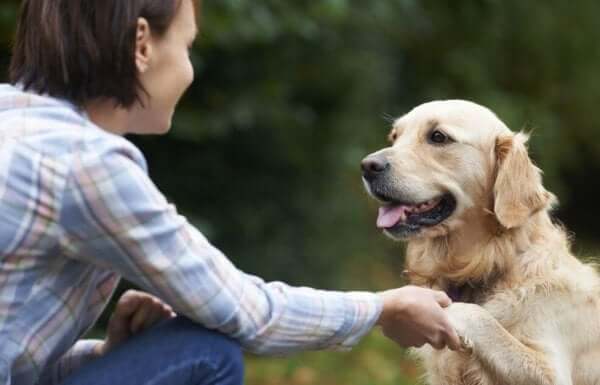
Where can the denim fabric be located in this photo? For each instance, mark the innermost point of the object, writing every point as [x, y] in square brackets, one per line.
[175, 352]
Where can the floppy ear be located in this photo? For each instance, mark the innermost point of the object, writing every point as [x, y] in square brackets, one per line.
[518, 190]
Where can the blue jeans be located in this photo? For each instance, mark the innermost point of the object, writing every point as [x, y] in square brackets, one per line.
[174, 352]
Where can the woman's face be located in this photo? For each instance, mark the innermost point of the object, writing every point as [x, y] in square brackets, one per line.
[164, 70]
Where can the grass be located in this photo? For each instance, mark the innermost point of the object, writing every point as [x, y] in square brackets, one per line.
[375, 361]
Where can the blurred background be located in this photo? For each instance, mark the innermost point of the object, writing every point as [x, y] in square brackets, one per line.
[290, 95]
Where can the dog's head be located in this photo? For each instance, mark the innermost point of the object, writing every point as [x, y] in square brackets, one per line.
[449, 160]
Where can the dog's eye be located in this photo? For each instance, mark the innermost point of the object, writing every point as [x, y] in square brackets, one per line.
[438, 137]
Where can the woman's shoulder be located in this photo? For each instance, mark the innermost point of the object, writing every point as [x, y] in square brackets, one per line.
[56, 128]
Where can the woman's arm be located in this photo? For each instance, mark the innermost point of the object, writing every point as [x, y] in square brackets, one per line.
[112, 215]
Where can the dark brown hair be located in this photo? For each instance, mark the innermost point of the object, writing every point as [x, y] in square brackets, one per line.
[82, 50]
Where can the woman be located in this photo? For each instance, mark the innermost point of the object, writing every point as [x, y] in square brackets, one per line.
[78, 212]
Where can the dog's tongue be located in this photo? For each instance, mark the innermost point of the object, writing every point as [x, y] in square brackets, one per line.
[390, 215]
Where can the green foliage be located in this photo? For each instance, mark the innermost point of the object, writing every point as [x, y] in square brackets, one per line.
[290, 96]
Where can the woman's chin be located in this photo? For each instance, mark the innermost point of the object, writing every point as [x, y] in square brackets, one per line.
[156, 126]
[163, 128]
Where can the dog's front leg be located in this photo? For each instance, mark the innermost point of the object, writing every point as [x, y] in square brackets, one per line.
[505, 357]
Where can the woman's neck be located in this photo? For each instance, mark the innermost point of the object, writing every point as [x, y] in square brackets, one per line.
[108, 116]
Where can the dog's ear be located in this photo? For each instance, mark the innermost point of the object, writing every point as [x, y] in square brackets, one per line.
[518, 190]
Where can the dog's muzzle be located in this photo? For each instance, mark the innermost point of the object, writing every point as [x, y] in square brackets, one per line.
[373, 166]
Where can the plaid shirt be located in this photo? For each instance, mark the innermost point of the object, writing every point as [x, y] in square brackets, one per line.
[78, 211]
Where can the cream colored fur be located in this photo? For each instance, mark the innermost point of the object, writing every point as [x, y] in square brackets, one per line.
[536, 320]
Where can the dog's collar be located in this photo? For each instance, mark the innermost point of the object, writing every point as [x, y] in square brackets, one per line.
[464, 292]
[469, 292]
[459, 293]
[455, 293]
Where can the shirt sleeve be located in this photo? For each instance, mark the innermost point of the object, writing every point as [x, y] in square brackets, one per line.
[82, 352]
[113, 215]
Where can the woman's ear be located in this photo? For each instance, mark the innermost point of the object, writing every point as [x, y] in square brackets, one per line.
[143, 45]
[518, 190]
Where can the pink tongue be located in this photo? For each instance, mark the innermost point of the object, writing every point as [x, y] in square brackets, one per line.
[390, 215]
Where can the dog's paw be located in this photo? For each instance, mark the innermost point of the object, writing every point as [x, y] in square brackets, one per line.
[463, 316]
[467, 319]
[466, 344]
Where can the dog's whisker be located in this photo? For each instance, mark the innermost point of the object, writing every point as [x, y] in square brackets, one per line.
[388, 118]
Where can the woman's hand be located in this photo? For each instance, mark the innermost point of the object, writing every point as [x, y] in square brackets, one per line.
[134, 312]
[414, 316]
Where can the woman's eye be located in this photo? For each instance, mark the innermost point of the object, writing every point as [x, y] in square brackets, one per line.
[438, 137]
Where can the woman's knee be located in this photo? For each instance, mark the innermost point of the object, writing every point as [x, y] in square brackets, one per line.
[176, 351]
[215, 352]
[229, 362]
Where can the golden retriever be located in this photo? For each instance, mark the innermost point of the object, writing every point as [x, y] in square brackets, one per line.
[459, 186]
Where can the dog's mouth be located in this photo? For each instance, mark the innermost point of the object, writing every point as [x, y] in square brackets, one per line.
[404, 219]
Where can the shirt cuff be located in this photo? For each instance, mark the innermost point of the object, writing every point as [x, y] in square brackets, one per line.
[363, 311]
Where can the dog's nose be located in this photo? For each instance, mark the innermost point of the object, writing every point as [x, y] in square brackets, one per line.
[374, 165]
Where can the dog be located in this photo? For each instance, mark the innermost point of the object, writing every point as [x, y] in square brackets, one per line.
[458, 185]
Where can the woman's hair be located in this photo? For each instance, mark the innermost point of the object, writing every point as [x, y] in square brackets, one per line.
[82, 50]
